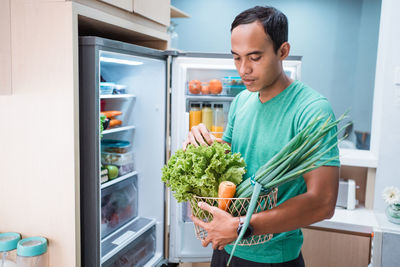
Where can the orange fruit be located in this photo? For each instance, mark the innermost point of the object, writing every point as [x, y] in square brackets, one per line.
[205, 90]
[194, 87]
[215, 86]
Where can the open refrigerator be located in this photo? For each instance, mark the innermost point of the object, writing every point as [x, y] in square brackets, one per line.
[128, 217]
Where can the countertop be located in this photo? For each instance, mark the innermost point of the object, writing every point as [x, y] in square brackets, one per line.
[359, 220]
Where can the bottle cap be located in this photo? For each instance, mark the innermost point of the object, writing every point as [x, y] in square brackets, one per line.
[9, 241]
[218, 105]
[195, 105]
[206, 105]
[32, 246]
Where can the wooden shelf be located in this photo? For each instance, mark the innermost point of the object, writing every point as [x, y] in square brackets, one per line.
[177, 13]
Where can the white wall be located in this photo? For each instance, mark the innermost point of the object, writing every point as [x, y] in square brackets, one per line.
[388, 117]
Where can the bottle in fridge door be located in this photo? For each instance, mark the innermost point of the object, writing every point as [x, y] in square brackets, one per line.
[218, 120]
[207, 115]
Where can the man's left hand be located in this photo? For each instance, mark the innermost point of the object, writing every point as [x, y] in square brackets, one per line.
[221, 231]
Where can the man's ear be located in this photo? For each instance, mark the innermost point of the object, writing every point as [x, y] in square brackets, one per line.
[284, 50]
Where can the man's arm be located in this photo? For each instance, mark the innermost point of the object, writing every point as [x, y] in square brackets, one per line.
[317, 204]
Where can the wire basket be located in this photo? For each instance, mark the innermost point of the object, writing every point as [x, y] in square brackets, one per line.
[237, 207]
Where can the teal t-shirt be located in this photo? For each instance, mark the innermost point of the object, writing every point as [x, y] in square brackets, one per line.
[260, 130]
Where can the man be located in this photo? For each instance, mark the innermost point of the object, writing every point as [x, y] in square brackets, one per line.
[262, 119]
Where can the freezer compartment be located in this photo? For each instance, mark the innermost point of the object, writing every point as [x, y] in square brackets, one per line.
[137, 253]
[132, 246]
[119, 204]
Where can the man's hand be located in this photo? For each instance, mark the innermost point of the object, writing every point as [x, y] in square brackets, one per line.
[221, 231]
[199, 135]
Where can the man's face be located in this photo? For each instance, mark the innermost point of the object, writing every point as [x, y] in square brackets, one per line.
[255, 60]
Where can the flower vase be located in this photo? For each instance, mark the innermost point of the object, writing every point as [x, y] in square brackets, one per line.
[393, 213]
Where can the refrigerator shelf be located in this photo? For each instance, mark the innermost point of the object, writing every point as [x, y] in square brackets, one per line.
[119, 179]
[117, 241]
[120, 96]
[210, 98]
[119, 129]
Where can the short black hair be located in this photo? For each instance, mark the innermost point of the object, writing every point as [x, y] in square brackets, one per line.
[274, 21]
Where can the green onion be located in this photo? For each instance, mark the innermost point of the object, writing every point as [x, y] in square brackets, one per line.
[296, 158]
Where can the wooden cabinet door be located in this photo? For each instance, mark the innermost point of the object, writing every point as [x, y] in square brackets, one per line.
[332, 249]
[123, 4]
[157, 10]
[5, 48]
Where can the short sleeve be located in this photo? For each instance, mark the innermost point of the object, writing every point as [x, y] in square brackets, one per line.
[227, 137]
[306, 116]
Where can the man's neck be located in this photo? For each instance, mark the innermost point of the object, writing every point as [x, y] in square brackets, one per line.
[278, 86]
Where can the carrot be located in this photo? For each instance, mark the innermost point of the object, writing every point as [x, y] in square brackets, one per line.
[114, 122]
[111, 113]
[226, 189]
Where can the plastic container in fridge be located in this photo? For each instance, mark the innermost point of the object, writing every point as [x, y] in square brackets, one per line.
[119, 89]
[233, 85]
[116, 158]
[115, 146]
[106, 88]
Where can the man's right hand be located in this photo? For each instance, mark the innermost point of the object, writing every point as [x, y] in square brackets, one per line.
[199, 135]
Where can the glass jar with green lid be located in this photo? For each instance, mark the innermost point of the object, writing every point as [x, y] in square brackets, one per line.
[8, 246]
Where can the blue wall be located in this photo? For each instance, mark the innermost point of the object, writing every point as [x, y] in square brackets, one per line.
[337, 39]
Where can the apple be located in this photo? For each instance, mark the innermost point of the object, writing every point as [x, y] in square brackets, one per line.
[112, 171]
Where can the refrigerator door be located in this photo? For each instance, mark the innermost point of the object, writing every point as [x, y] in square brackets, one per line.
[183, 244]
[124, 214]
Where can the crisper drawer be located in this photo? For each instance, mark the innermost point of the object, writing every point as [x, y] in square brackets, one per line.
[119, 204]
[137, 253]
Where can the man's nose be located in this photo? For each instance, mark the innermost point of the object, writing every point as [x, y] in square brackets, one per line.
[244, 68]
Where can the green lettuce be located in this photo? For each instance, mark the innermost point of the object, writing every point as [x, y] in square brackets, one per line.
[199, 170]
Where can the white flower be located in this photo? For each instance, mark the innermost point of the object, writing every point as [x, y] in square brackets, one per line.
[391, 195]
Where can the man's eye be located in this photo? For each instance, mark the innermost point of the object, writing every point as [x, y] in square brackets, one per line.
[236, 58]
[255, 58]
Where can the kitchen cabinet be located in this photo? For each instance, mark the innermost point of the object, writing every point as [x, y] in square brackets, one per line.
[5, 49]
[156, 10]
[123, 4]
[332, 248]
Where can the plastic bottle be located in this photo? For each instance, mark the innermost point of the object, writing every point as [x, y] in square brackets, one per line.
[207, 116]
[194, 115]
[8, 245]
[218, 121]
[32, 252]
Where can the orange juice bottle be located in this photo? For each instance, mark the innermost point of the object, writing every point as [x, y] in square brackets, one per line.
[217, 128]
[194, 115]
